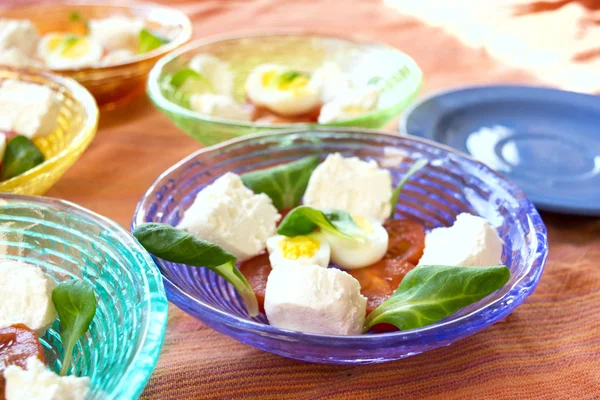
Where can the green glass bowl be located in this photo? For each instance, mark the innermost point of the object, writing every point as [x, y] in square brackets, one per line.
[122, 346]
[401, 77]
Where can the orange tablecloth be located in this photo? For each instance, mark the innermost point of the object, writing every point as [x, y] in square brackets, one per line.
[549, 348]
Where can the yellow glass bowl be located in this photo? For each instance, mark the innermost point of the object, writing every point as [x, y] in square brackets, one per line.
[117, 84]
[76, 127]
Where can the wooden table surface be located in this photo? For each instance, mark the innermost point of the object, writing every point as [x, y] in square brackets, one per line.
[547, 349]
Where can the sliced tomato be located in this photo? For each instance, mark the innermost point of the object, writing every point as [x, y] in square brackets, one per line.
[257, 270]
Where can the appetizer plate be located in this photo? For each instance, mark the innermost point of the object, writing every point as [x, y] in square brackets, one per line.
[449, 185]
[122, 346]
[401, 77]
[77, 124]
[112, 85]
[545, 140]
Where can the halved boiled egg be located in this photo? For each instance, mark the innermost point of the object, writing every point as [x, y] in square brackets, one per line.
[310, 249]
[350, 254]
[282, 90]
[62, 51]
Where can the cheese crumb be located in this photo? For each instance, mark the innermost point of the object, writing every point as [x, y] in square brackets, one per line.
[26, 296]
[470, 242]
[315, 300]
[29, 109]
[231, 216]
[359, 187]
[220, 106]
[38, 383]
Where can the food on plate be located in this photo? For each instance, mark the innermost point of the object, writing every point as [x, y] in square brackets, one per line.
[338, 263]
[83, 43]
[274, 93]
[30, 302]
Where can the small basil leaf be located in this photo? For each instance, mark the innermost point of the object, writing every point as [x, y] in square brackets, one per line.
[287, 77]
[75, 16]
[20, 156]
[178, 246]
[303, 220]
[187, 74]
[75, 304]
[150, 41]
[429, 293]
[412, 170]
[284, 184]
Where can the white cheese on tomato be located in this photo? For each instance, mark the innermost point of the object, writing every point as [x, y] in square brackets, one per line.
[359, 187]
[26, 296]
[220, 106]
[19, 34]
[38, 383]
[217, 72]
[29, 109]
[231, 216]
[116, 32]
[315, 300]
[470, 242]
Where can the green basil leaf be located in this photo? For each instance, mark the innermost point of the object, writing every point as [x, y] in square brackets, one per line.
[284, 184]
[20, 156]
[303, 220]
[76, 16]
[412, 170]
[286, 78]
[150, 41]
[430, 293]
[178, 246]
[187, 74]
[75, 304]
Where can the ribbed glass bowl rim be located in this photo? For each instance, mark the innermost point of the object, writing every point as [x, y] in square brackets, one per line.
[155, 93]
[184, 35]
[475, 319]
[81, 138]
[138, 370]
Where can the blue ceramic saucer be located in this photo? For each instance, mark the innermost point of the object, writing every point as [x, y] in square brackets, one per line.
[545, 140]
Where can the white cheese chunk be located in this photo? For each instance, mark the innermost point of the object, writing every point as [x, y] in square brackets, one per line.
[2, 147]
[20, 34]
[14, 57]
[29, 109]
[350, 105]
[220, 106]
[315, 300]
[470, 242]
[26, 296]
[38, 383]
[331, 81]
[117, 32]
[231, 216]
[359, 187]
[217, 72]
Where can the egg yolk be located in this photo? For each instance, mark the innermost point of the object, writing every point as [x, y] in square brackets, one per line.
[299, 246]
[364, 224]
[69, 46]
[289, 80]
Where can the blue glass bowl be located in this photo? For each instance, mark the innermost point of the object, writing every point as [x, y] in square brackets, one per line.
[122, 346]
[452, 183]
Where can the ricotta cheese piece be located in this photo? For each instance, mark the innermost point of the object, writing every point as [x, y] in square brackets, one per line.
[14, 57]
[231, 216]
[26, 296]
[220, 106]
[217, 72]
[359, 187]
[331, 81]
[350, 105]
[19, 34]
[38, 383]
[315, 300]
[116, 32]
[470, 242]
[29, 109]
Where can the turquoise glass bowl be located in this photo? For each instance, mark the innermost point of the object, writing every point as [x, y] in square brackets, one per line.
[362, 61]
[122, 346]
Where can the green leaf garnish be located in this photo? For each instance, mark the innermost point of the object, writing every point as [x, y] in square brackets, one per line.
[20, 156]
[75, 16]
[374, 80]
[75, 304]
[429, 293]
[284, 79]
[69, 41]
[284, 184]
[181, 76]
[412, 170]
[150, 41]
[178, 246]
[303, 220]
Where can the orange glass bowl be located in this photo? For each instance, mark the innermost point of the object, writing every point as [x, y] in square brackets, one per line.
[116, 84]
[76, 127]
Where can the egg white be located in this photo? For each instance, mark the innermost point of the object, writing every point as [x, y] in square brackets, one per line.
[54, 56]
[285, 102]
[320, 257]
[350, 254]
